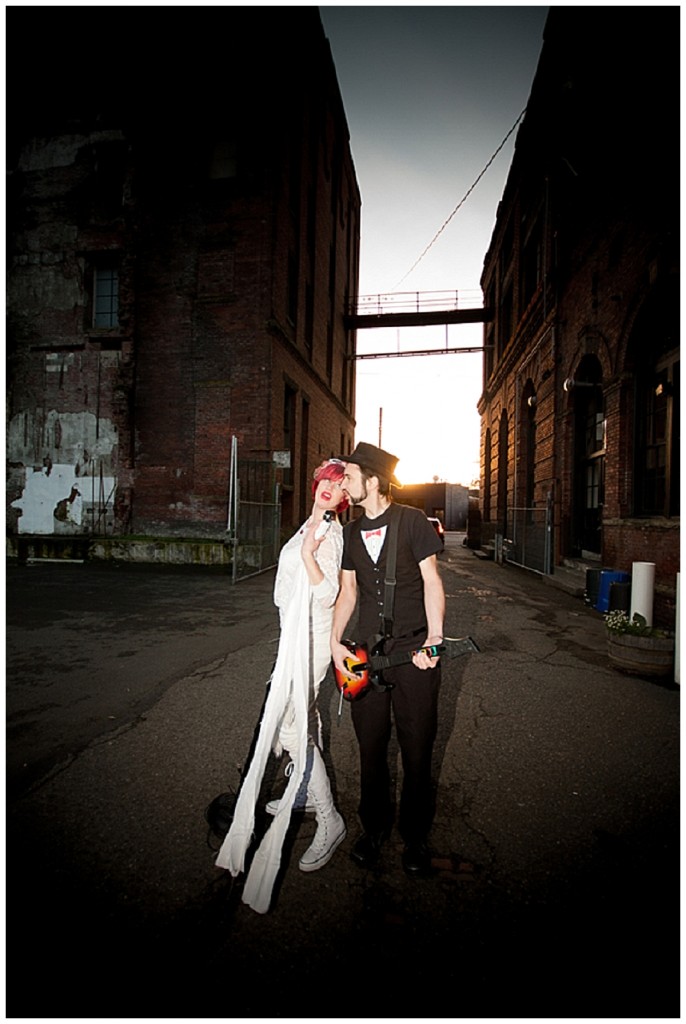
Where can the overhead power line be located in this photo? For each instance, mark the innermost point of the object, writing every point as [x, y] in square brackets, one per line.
[464, 198]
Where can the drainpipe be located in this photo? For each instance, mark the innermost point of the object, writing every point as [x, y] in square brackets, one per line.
[518, 388]
[677, 645]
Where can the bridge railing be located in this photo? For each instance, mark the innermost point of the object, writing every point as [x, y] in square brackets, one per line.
[416, 302]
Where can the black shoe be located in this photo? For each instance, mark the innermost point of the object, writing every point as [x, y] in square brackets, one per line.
[417, 861]
[366, 850]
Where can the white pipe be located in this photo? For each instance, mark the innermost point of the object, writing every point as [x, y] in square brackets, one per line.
[677, 667]
[642, 587]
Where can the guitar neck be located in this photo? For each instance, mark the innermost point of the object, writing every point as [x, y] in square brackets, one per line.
[381, 661]
[452, 648]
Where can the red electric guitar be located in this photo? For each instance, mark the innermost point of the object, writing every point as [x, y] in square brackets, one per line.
[364, 670]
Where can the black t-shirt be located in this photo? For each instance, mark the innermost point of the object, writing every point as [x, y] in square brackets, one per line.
[417, 540]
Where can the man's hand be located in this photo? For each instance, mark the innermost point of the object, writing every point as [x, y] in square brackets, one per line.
[423, 660]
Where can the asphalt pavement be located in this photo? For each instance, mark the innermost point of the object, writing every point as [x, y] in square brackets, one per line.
[133, 694]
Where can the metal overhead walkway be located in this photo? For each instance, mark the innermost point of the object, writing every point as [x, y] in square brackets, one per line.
[417, 309]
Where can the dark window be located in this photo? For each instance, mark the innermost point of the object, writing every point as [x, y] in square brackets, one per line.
[223, 160]
[505, 320]
[289, 399]
[309, 317]
[489, 338]
[106, 296]
[531, 266]
[657, 440]
[487, 478]
[529, 428]
[292, 297]
[657, 408]
[305, 492]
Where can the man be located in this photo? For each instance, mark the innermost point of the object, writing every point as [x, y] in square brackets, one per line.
[412, 696]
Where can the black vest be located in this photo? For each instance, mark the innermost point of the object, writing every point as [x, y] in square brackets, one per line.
[416, 541]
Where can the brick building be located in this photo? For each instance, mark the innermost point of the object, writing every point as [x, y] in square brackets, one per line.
[183, 239]
[580, 404]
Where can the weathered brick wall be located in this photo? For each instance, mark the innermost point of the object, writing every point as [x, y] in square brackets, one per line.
[608, 253]
[202, 215]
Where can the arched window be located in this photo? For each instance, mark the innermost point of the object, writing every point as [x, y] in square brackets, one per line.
[487, 477]
[502, 474]
[589, 455]
[528, 445]
[655, 355]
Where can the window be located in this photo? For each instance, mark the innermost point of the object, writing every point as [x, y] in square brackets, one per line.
[489, 337]
[289, 400]
[487, 477]
[505, 325]
[106, 297]
[223, 160]
[657, 468]
[309, 318]
[531, 266]
[528, 427]
[292, 293]
[594, 496]
[590, 443]
[657, 412]
[305, 492]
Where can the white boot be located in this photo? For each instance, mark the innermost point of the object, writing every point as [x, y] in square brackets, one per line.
[331, 830]
[273, 806]
[302, 800]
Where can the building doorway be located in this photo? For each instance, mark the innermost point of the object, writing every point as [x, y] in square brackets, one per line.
[589, 457]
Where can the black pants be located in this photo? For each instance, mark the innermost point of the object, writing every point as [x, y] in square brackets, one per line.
[414, 703]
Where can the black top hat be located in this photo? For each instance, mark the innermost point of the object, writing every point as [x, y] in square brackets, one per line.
[380, 463]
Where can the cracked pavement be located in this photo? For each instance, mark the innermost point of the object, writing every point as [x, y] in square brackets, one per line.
[132, 697]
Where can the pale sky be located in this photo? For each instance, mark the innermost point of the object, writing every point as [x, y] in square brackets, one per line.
[430, 93]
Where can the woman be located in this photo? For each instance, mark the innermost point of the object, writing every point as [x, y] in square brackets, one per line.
[305, 591]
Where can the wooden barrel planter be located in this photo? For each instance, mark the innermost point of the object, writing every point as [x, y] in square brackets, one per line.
[651, 656]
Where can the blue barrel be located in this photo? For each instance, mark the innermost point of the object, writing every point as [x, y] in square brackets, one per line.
[608, 577]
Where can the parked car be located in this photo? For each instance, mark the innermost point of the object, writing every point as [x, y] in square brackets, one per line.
[438, 527]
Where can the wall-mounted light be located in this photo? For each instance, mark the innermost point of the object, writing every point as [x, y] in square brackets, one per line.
[664, 389]
[531, 401]
[570, 384]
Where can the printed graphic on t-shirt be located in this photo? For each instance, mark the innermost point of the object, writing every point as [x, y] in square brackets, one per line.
[373, 541]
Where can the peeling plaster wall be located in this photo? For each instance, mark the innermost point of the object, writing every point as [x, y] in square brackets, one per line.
[56, 500]
[73, 488]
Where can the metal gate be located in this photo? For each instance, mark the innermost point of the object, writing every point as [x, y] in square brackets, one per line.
[254, 522]
[531, 544]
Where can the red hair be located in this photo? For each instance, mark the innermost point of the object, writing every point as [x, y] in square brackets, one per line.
[331, 470]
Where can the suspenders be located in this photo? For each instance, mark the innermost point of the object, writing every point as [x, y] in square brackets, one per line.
[390, 581]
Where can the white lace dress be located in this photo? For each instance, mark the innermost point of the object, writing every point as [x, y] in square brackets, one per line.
[290, 713]
[320, 615]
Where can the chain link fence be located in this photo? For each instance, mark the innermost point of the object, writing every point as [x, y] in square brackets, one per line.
[531, 541]
[254, 516]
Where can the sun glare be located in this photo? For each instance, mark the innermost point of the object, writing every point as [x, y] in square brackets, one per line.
[422, 409]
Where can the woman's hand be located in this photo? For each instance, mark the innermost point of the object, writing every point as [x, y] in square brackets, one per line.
[310, 542]
[307, 552]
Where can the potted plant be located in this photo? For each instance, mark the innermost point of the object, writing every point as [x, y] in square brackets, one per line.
[635, 647]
